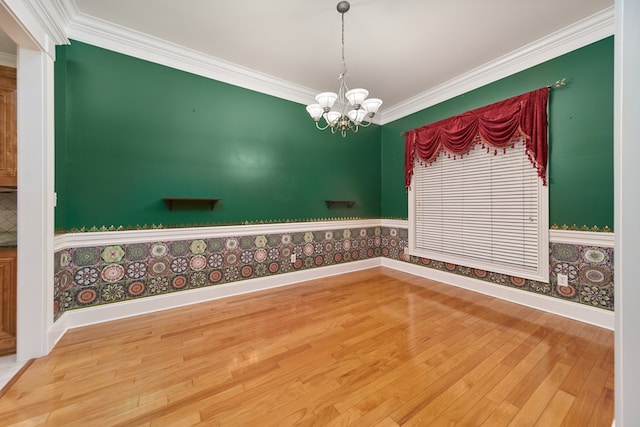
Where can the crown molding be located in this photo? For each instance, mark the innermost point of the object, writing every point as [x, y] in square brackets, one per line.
[53, 17]
[123, 40]
[100, 33]
[584, 32]
[45, 22]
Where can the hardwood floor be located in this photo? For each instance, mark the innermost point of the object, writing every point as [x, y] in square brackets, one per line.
[371, 348]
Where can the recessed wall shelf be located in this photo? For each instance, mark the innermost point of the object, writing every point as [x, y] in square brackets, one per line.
[171, 200]
[346, 203]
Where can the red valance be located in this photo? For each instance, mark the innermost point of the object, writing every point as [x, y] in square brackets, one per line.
[495, 125]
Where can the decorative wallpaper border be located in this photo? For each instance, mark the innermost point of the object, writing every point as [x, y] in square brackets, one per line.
[96, 269]
[575, 227]
[589, 270]
[95, 275]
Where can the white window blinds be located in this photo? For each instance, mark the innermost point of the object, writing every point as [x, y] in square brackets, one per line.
[482, 210]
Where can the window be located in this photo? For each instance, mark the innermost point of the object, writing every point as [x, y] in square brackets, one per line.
[487, 209]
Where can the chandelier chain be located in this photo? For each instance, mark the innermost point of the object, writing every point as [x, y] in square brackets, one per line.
[343, 62]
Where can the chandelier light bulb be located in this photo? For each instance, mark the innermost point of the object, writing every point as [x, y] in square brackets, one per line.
[356, 116]
[315, 111]
[371, 105]
[326, 99]
[332, 117]
[357, 96]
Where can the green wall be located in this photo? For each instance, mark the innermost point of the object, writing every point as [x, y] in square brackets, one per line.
[60, 106]
[130, 132]
[580, 135]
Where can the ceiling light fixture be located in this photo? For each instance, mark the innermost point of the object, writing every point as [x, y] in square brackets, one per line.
[348, 110]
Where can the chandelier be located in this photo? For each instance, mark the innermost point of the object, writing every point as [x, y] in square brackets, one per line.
[348, 110]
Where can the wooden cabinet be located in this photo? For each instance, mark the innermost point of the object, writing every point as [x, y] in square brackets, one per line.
[8, 140]
[8, 300]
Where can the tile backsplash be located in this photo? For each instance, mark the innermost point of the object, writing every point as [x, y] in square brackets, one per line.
[8, 212]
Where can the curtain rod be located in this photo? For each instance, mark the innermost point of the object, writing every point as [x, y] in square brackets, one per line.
[558, 84]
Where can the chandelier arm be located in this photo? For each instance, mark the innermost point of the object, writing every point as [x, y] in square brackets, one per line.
[321, 127]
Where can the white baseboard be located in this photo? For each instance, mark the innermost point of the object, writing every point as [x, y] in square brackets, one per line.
[583, 313]
[104, 313]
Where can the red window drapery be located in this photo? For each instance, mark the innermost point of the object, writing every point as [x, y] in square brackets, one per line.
[494, 125]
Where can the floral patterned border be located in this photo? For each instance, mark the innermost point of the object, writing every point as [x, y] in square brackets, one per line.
[589, 270]
[90, 276]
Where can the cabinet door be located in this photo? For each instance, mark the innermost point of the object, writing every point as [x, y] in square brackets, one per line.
[8, 140]
[8, 301]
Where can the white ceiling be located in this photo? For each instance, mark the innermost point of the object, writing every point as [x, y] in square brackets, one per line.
[394, 48]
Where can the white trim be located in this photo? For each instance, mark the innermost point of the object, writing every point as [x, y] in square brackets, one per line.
[576, 237]
[9, 367]
[104, 313]
[51, 17]
[35, 202]
[585, 238]
[8, 60]
[580, 34]
[105, 238]
[572, 310]
[626, 154]
[97, 32]
[36, 24]
[395, 223]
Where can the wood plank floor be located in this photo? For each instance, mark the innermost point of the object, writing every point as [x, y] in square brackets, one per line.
[371, 348]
